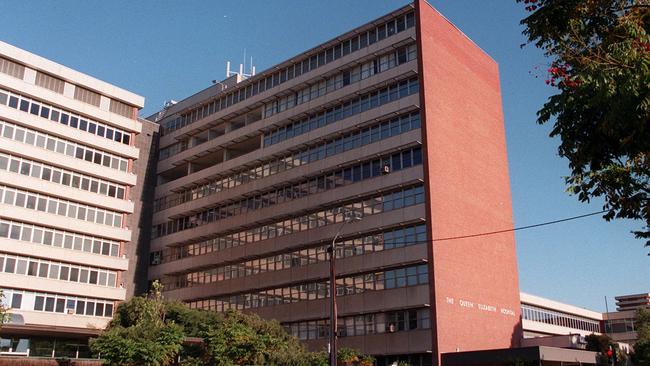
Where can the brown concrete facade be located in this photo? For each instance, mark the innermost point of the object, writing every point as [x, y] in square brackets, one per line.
[137, 250]
[231, 229]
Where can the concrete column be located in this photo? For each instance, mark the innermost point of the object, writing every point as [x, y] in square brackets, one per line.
[68, 90]
[104, 103]
[30, 76]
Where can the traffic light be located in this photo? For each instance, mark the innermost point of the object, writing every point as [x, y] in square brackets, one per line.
[611, 356]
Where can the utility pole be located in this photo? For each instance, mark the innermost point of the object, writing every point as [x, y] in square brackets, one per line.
[333, 310]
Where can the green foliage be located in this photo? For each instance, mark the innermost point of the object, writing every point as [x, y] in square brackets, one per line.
[139, 334]
[4, 315]
[141, 344]
[598, 343]
[150, 331]
[243, 339]
[317, 359]
[347, 355]
[641, 356]
[601, 344]
[194, 322]
[366, 360]
[600, 64]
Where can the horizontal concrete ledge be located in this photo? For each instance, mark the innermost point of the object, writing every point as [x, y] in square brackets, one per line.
[290, 242]
[62, 254]
[409, 342]
[69, 133]
[73, 105]
[63, 223]
[39, 284]
[68, 162]
[62, 324]
[370, 151]
[66, 192]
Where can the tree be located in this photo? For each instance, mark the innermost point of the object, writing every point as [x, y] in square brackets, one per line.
[243, 339]
[4, 314]
[138, 334]
[599, 54]
[641, 356]
[151, 331]
[598, 343]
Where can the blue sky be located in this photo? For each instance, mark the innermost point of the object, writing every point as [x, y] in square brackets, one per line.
[164, 49]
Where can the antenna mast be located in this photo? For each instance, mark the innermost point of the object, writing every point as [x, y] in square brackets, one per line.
[242, 69]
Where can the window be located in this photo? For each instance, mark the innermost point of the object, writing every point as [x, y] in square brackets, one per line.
[49, 82]
[86, 96]
[122, 109]
[39, 302]
[12, 68]
[16, 301]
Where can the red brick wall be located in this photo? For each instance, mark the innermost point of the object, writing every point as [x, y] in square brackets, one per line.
[24, 361]
[468, 191]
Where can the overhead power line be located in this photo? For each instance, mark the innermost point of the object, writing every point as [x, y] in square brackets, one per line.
[521, 227]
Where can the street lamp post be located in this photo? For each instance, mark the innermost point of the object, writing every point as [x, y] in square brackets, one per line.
[333, 312]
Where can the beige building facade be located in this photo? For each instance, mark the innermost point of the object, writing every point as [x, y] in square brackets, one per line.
[544, 318]
[67, 157]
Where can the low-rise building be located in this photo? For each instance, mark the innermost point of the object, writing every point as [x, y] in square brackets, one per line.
[620, 324]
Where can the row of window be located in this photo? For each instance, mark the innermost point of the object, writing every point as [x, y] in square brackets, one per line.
[331, 180]
[361, 325]
[358, 41]
[323, 87]
[57, 85]
[58, 115]
[352, 107]
[181, 146]
[370, 206]
[537, 314]
[11, 68]
[620, 325]
[342, 79]
[55, 206]
[322, 150]
[87, 96]
[61, 146]
[44, 346]
[408, 197]
[54, 303]
[353, 247]
[375, 281]
[372, 243]
[56, 270]
[50, 82]
[122, 109]
[57, 238]
[65, 177]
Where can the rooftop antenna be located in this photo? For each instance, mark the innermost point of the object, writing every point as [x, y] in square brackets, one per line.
[242, 67]
[161, 114]
[606, 320]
